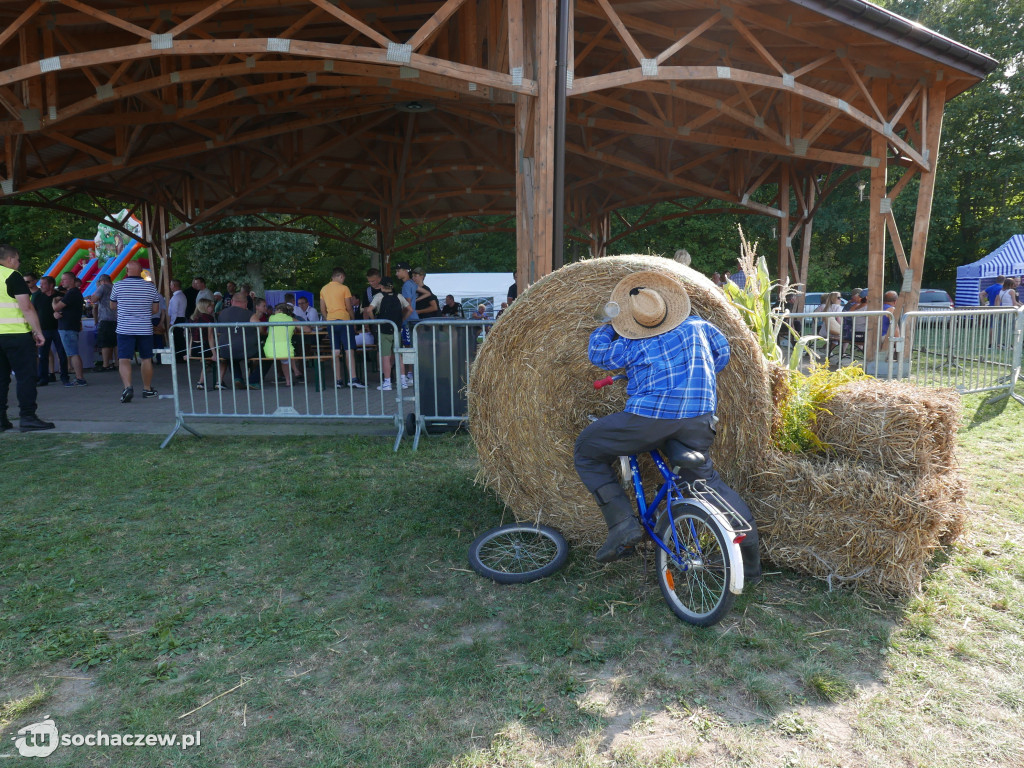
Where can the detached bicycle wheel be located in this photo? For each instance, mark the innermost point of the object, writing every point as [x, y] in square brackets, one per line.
[697, 589]
[518, 553]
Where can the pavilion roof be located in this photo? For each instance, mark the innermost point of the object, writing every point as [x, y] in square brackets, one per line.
[319, 107]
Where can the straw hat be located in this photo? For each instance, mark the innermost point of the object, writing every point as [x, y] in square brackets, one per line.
[650, 303]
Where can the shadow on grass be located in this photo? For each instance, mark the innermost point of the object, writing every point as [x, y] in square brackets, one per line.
[336, 583]
[986, 411]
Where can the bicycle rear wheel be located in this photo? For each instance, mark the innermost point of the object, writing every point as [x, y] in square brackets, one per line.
[518, 553]
[697, 590]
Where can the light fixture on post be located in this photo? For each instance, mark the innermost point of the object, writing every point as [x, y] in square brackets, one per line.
[861, 186]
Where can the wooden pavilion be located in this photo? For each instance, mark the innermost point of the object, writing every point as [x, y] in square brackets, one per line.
[392, 114]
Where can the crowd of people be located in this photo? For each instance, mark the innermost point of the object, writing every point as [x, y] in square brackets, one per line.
[40, 330]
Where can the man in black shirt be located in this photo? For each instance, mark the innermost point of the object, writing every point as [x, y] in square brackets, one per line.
[451, 308]
[68, 310]
[43, 303]
[19, 336]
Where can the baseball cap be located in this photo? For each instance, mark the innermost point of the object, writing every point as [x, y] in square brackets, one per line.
[402, 265]
[387, 282]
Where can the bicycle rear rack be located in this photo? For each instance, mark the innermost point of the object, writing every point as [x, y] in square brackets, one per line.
[701, 490]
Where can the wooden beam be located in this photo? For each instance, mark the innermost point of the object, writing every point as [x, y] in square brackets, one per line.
[876, 229]
[784, 227]
[17, 25]
[114, 21]
[427, 31]
[897, 242]
[621, 30]
[689, 37]
[542, 257]
[341, 12]
[935, 99]
[201, 16]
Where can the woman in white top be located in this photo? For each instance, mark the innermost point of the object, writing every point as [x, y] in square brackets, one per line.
[1008, 296]
[832, 327]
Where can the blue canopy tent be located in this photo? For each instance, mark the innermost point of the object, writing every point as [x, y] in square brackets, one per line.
[971, 279]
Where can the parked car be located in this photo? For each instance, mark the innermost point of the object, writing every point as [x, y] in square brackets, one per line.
[934, 300]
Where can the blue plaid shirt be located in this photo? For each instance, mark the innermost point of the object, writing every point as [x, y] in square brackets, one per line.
[671, 375]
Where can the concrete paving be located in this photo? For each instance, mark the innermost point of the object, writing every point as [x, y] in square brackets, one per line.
[97, 408]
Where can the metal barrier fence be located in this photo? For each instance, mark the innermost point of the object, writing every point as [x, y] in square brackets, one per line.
[973, 350]
[970, 350]
[302, 370]
[295, 370]
[847, 338]
[443, 351]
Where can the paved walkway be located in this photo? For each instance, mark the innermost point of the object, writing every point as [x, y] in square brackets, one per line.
[97, 408]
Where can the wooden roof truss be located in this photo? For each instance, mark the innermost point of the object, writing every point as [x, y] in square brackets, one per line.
[392, 114]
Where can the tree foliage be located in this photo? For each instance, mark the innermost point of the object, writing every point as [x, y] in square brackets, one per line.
[260, 258]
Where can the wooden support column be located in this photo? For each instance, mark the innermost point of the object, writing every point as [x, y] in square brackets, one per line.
[806, 231]
[154, 232]
[600, 232]
[784, 229]
[386, 223]
[538, 261]
[876, 223]
[931, 136]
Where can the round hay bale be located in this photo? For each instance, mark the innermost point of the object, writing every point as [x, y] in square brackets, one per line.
[531, 390]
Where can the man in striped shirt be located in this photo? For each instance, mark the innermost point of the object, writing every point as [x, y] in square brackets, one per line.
[136, 301]
[671, 359]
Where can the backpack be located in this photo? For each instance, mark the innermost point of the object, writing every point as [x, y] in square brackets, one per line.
[390, 309]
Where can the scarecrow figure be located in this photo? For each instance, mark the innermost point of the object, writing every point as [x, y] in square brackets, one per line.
[671, 359]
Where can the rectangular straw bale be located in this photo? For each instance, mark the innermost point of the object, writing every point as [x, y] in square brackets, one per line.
[848, 523]
[892, 425]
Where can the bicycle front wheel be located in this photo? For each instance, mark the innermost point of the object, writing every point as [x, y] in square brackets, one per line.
[696, 589]
[518, 553]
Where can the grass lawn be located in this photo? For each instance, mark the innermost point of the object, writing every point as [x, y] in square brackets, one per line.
[328, 579]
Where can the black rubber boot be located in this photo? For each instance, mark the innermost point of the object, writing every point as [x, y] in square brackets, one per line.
[624, 531]
[751, 563]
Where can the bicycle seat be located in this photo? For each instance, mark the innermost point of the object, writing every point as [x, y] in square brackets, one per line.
[681, 457]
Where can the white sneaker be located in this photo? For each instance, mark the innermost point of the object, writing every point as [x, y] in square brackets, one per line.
[406, 382]
[385, 386]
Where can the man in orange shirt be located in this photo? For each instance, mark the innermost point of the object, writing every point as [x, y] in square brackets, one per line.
[338, 303]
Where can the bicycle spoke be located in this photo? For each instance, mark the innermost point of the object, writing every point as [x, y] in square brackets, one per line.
[698, 589]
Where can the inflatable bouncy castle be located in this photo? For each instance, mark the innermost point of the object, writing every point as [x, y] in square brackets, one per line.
[108, 253]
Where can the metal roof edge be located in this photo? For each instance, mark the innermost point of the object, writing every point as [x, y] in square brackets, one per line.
[896, 29]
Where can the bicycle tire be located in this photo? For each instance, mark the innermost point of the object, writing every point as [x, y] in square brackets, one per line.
[518, 553]
[700, 594]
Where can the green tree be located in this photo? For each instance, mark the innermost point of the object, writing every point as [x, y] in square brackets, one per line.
[263, 259]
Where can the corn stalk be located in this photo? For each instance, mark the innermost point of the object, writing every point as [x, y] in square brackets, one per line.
[754, 303]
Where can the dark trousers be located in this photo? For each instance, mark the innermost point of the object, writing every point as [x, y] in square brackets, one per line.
[18, 356]
[180, 342]
[620, 434]
[52, 338]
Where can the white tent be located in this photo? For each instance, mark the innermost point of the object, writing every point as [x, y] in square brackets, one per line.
[471, 288]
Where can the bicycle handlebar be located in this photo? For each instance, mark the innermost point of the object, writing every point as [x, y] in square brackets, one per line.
[607, 380]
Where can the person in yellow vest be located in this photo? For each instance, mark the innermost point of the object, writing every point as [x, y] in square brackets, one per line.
[20, 334]
[338, 303]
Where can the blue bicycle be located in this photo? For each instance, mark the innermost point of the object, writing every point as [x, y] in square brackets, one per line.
[696, 533]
